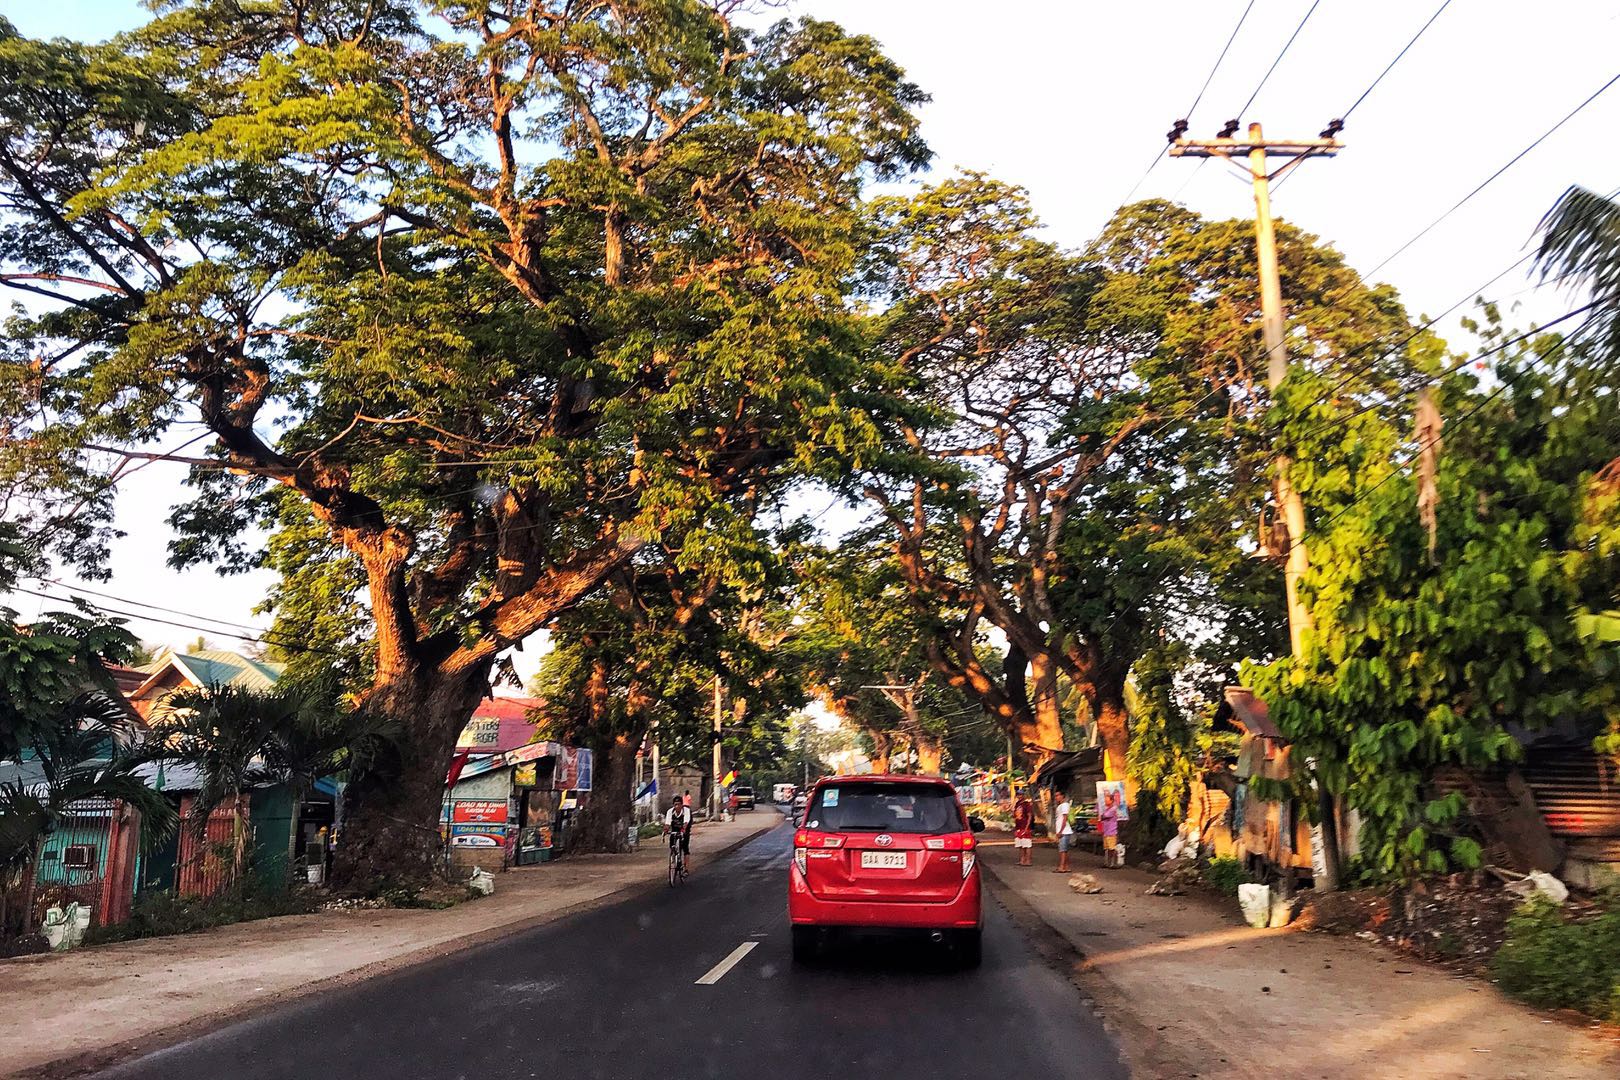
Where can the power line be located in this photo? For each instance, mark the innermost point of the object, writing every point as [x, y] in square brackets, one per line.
[1388, 352]
[1454, 368]
[1390, 66]
[1486, 400]
[262, 639]
[1491, 178]
[1374, 84]
[1186, 116]
[1218, 60]
[58, 583]
[1286, 46]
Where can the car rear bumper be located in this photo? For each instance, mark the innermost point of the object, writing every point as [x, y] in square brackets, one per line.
[963, 912]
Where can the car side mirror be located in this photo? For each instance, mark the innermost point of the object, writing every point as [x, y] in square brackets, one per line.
[976, 824]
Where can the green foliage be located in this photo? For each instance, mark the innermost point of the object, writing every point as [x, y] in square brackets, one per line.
[46, 664]
[1555, 961]
[1413, 665]
[1226, 874]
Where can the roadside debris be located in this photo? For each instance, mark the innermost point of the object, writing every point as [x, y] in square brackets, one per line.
[1537, 882]
[1084, 883]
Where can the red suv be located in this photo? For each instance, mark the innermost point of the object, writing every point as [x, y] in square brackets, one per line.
[885, 852]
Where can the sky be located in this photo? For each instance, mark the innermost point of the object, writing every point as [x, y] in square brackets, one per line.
[1072, 98]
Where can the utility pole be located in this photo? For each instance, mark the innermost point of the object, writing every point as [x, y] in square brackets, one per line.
[658, 785]
[714, 788]
[1297, 558]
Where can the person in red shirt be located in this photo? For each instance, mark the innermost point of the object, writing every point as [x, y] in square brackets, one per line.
[1024, 828]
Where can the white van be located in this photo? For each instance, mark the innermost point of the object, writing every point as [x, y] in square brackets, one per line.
[782, 793]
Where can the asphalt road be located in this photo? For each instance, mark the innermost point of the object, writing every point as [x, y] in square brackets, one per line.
[615, 993]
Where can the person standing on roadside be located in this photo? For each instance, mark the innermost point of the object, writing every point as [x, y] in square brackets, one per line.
[1024, 828]
[1108, 825]
[1065, 834]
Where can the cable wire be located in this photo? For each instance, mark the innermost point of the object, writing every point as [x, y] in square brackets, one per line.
[1421, 30]
[1491, 178]
[1400, 469]
[1286, 46]
[1218, 60]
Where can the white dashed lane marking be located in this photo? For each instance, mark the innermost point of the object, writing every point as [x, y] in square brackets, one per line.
[718, 972]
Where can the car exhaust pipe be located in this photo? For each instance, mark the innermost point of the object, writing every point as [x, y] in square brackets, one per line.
[936, 936]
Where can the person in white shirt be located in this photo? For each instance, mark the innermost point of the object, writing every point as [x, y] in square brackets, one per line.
[1065, 835]
[678, 827]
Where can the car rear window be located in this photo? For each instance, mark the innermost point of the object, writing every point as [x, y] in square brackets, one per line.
[894, 808]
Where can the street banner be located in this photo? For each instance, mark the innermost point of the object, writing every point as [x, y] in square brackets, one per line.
[587, 765]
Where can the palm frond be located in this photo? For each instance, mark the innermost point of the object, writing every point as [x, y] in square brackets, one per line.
[1580, 243]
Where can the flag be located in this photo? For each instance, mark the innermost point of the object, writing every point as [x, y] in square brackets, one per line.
[730, 778]
[457, 763]
[649, 788]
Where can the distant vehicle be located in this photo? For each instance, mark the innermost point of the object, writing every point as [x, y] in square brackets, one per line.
[743, 798]
[893, 853]
[782, 793]
[799, 801]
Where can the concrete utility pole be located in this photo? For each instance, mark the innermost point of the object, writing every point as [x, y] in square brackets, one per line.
[1297, 558]
[714, 788]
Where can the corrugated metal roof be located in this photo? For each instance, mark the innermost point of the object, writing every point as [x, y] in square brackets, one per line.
[217, 667]
[1578, 793]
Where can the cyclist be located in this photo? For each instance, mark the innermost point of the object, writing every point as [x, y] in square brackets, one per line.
[678, 827]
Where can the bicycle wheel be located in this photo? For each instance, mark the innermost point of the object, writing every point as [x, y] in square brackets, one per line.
[674, 867]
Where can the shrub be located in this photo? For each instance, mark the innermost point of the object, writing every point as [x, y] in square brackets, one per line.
[1226, 874]
[162, 914]
[649, 829]
[1554, 961]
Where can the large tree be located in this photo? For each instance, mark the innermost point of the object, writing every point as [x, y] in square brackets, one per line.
[523, 285]
[1089, 444]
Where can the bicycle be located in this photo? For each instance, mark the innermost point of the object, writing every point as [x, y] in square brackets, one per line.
[679, 871]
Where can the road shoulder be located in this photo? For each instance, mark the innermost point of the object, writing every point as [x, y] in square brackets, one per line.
[1189, 989]
[75, 1013]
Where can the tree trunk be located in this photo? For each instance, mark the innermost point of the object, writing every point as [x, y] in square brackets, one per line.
[882, 746]
[1113, 731]
[930, 756]
[30, 876]
[1046, 730]
[391, 812]
[603, 823]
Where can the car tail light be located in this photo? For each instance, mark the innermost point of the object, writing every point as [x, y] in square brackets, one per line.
[800, 860]
[967, 864]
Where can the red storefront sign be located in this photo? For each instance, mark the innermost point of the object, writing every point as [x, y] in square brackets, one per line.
[481, 811]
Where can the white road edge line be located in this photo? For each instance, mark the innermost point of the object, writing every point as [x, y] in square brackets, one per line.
[718, 972]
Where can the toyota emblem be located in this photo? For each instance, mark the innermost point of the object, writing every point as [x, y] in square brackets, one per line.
[883, 840]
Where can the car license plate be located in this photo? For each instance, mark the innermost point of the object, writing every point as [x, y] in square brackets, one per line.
[883, 860]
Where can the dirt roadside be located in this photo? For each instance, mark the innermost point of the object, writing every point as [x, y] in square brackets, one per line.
[70, 1014]
[1191, 991]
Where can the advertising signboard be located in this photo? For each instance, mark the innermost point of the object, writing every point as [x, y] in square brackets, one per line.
[479, 811]
[477, 836]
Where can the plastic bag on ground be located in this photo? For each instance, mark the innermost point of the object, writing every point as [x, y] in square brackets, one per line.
[1255, 900]
[1543, 884]
[482, 881]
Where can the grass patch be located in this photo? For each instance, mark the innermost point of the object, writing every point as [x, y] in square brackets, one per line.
[1555, 961]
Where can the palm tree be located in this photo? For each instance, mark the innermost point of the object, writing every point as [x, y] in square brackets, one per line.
[223, 731]
[82, 755]
[323, 736]
[1580, 242]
